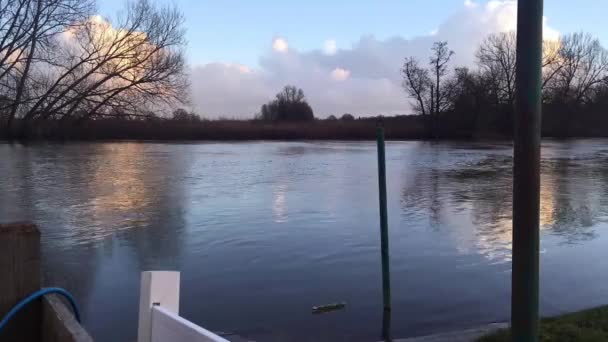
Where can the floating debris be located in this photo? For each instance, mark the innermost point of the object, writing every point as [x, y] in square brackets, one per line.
[328, 307]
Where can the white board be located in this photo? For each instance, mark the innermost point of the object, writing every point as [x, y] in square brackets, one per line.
[170, 327]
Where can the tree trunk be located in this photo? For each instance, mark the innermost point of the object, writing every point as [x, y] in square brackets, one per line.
[26, 69]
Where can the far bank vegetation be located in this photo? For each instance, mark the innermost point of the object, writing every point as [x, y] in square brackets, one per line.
[480, 100]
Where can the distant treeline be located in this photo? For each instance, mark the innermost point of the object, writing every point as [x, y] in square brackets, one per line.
[461, 102]
[481, 100]
[447, 102]
[403, 127]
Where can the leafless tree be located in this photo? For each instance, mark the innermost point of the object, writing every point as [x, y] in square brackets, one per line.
[291, 94]
[27, 30]
[551, 61]
[115, 68]
[496, 57]
[417, 84]
[439, 68]
[581, 66]
[59, 62]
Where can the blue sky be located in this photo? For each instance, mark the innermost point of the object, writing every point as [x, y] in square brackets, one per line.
[242, 52]
[238, 31]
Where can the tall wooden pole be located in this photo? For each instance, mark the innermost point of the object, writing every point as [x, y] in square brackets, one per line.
[526, 171]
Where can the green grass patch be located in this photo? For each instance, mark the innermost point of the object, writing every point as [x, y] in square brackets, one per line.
[587, 326]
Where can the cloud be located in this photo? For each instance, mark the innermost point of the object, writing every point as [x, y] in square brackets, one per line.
[330, 48]
[470, 4]
[228, 90]
[280, 45]
[339, 74]
[363, 79]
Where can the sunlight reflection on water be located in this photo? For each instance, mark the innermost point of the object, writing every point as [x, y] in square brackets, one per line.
[263, 231]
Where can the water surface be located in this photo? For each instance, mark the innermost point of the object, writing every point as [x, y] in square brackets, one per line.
[263, 231]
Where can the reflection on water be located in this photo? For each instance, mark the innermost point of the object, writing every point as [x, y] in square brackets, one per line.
[263, 231]
[482, 187]
[279, 203]
[123, 190]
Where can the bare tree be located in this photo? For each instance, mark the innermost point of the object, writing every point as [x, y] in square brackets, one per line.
[291, 94]
[583, 64]
[496, 57]
[117, 68]
[417, 84]
[439, 68]
[551, 61]
[429, 93]
[28, 29]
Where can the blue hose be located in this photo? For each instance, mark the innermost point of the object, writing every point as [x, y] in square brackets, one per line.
[36, 295]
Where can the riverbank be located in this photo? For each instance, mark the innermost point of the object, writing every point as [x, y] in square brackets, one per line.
[586, 325]
[467, 335]
[405, 127]
[408, 128]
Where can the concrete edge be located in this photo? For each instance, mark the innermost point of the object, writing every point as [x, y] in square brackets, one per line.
[59, 324]
[468, 335]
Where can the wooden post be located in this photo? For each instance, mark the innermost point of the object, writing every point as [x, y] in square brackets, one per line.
[20, 277]
[157, 288]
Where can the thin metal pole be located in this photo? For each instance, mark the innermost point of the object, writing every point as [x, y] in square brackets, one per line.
[526, 172]
[386, 276]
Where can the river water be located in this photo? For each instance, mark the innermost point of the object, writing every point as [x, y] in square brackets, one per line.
[263, 231]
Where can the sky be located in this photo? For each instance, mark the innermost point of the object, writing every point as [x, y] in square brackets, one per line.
[344, 54]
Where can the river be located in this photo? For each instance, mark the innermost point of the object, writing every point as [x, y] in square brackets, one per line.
[263, 231]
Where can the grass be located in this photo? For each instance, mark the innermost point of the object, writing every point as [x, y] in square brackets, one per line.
[583, 326]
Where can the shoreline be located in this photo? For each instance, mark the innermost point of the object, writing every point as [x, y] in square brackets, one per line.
[405, 128]
[187, 141]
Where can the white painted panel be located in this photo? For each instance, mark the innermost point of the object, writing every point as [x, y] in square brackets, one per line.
[170, 327]
[156, 288]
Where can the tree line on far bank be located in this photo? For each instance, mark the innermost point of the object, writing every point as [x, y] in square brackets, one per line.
[61, 66]
[468, 102]
[480, 101]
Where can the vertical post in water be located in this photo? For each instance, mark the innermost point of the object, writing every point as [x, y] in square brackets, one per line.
[526, 168]
[386, 276]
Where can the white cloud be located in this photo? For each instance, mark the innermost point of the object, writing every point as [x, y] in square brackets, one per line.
[470, 3]
[362, 79]
[330, 47]
[339, 74]
[228, 90]
[548, 32]
[280, 45]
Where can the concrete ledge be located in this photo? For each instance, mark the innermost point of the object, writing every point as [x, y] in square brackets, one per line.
[469, 335]
[59, 324]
